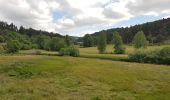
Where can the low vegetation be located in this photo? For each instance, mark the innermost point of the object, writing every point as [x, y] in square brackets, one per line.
[70, 78]
[69, 51]
[161, 56]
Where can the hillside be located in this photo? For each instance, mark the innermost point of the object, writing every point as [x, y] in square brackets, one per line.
[156, 32]
[4, 27]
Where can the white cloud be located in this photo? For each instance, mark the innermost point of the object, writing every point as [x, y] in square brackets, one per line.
[75, 17]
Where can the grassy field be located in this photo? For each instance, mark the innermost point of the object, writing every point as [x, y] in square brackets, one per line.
[34, 51]
[66, 78]
[92, 52]
[109, 49]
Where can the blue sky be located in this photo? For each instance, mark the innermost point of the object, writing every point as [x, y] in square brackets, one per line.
[78, 17]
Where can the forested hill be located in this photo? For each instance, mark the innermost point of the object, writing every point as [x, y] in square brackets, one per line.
[156, 32]
[25, 39]
[4, 26]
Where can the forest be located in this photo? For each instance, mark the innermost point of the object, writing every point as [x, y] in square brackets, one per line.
[156, 32]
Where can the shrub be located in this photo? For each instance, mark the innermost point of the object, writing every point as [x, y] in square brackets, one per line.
[120, 50]
[13, 46]
[2, 50]
[138, 56]
[161, 56]
[64, 51]
[55, 44]
[74, 51]
[69, 51]
[165, 55]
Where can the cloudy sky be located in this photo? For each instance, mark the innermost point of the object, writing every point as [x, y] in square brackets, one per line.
[78, 17]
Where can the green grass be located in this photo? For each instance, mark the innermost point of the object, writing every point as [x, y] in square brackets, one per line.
[69, 78]
[114, 57]
[33, 51]
[92, 52]
[109, 49]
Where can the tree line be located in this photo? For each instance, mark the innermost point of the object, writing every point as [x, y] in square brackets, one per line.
[13, 39]
[139, 41]
[156, 32]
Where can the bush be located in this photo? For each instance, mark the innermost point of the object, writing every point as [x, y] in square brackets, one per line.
[138, 56]
[165, 55]
[69, 51]
[119, 50]
[161, 56]
[13, 46]
[74, 51]
[2, 50]
[64, 51]
[55, 44]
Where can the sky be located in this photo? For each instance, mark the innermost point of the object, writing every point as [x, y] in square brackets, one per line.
[79, 17]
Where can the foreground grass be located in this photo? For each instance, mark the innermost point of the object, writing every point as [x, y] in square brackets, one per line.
[68, 78]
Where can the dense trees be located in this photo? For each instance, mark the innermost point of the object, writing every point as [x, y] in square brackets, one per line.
[25, 39]
[41, 41]
[140, 40]
[55, 44]
[88, 41]
[102, 43]
[118, 44]
[156, 32]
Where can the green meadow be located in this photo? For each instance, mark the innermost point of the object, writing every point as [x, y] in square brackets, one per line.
[33, 77]
[92, 52]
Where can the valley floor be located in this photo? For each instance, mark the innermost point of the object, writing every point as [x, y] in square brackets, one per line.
[28, 77]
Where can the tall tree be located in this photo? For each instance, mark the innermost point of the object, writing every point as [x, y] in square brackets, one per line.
[68, 40]
[41, 41]
[102, 43]
[21, 30]
[88, 41]
[140, 40]
[55, 44]
[118, 44]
